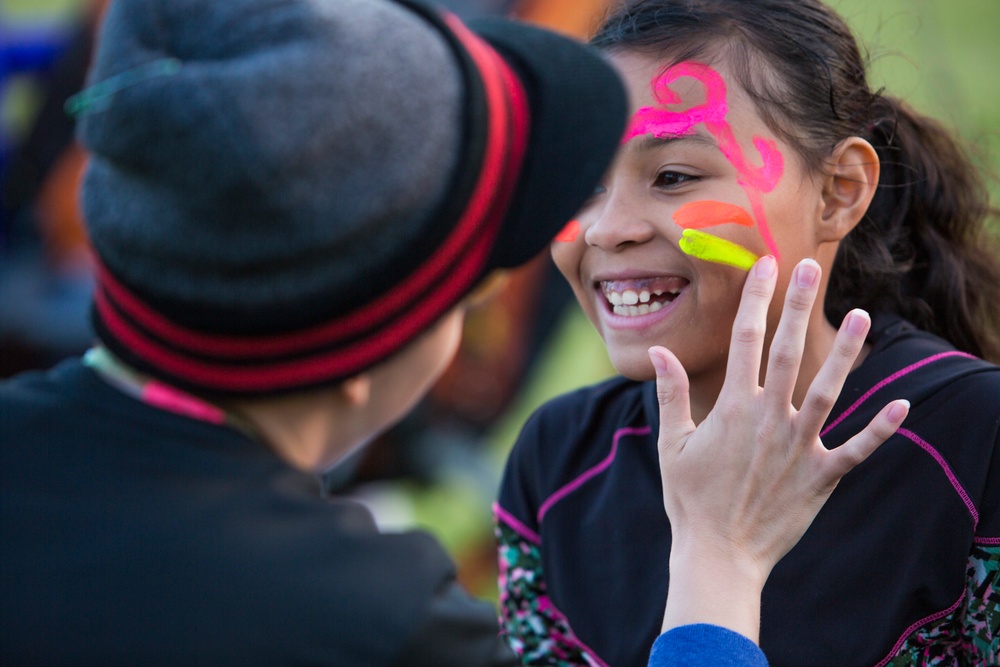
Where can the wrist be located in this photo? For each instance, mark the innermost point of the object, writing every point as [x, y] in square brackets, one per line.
[721, 557]
[714, 584]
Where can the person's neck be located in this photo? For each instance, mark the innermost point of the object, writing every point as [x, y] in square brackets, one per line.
[298, 427]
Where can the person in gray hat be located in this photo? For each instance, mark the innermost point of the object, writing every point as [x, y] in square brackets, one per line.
[289, 202]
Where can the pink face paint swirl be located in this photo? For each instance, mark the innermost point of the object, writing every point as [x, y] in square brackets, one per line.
[662, 122]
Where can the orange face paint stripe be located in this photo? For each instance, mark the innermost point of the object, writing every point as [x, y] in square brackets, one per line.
[569, 232]
[700, 214]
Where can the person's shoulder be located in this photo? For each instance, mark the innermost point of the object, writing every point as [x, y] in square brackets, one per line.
[954, 396]
[334, 538]
[323, 574]
[50, 397]
[592, 402]
[566, 426]
[381, 584]
[567, 436]
[41, 384]
[897, 338]
[925, 363]
[942, 384]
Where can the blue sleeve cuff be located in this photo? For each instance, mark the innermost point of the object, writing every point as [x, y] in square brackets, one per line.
[704, 644]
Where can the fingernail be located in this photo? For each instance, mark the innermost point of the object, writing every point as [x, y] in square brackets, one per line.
[765, 267]
[659, 363]
[899, 410]
[857, 322]
[806, 273]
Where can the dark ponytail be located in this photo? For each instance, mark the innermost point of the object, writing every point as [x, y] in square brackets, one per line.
[925, 249]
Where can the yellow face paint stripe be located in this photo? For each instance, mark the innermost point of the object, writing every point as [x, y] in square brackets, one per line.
[714, 249]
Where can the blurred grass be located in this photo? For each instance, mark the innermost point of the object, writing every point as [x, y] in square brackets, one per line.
[944, 58]
[38, 9]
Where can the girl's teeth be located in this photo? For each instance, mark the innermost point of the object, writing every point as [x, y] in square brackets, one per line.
[632, 311]
[643, 296]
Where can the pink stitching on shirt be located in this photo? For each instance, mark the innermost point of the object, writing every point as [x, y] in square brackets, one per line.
[503, 515]
[927, 447]
[986, 540]
[596, 470]
[908, 631]
[892, 378]
[545, 605]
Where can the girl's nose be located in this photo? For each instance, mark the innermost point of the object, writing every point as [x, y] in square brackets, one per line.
[615, 222]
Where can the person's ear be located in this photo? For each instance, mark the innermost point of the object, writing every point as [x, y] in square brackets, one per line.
[848, 187]
[356, 391]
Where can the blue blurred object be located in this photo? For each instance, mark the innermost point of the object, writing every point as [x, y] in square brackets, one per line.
[24, 50]
[43, 299]
[468, 9]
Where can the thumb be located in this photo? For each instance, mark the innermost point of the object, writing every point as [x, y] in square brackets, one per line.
[672, 393]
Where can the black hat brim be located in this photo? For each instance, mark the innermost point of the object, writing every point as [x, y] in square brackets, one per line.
[578, 109]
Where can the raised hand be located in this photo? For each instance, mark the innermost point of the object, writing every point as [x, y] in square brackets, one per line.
[742, 487]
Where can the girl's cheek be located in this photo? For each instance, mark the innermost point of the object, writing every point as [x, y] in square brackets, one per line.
[567, 250]
[569, 233]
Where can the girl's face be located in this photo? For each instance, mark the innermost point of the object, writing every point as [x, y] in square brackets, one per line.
[700, 188]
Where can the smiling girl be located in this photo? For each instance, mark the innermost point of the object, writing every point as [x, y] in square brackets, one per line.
[754, 133]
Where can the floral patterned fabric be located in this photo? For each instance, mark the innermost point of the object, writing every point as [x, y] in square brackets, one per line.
[532, 625]
[969, 634]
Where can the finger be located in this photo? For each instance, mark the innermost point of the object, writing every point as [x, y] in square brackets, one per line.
[672, 393]
[843, 459]
[749, 328]
[826, 386]
[785, 354]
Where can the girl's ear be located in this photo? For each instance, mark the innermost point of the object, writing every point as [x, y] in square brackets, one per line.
[356, 391]
[848, 187]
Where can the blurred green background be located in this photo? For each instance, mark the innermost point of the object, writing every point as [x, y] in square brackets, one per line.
[943, 57]
[19, 9]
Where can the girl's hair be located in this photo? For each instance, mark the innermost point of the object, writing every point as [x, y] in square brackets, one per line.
[924, 249]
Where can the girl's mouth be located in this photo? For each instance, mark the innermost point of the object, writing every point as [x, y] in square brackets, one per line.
[631, 298]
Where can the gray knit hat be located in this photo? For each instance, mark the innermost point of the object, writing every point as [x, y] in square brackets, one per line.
[282, 193]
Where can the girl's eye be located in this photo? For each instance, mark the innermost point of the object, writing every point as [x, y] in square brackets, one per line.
[669, 179]
[599, 190]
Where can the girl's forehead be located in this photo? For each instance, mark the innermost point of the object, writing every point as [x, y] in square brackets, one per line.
[683, 85]
[643, 73]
